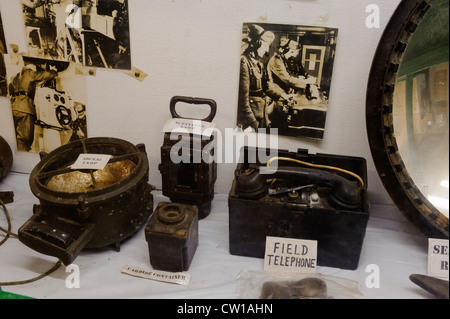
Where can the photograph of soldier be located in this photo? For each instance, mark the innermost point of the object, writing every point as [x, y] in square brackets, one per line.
[79, 125]
[295, 79]
[93, 33]
[45, 99]
[255, 91]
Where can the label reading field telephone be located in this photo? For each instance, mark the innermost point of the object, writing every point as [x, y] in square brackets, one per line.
[290, 255]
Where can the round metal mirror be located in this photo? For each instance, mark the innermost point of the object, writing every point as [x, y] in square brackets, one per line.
[407, 113]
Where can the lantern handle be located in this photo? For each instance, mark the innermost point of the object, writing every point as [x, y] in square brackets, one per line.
[193, 100]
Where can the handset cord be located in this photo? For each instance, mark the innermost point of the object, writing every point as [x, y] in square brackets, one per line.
[360, 180]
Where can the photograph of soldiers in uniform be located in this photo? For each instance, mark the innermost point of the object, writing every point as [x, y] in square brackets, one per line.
[285, 78]
[47, 101]
[93, 33]
[3, 51]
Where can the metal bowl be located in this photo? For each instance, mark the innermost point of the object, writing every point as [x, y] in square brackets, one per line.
[96, 213]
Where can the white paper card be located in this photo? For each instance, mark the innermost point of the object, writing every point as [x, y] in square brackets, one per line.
[438, 257]
[91, 161]
[179, 278]
[196, 127]
[290, 255]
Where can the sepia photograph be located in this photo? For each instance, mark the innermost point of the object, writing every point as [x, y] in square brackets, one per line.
[3, 51]
[47, 101]
[93, 33]
[285, 78]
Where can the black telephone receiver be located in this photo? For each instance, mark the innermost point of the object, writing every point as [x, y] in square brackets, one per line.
[343, 192]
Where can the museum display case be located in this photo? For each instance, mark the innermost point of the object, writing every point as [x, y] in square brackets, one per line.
[117, 181]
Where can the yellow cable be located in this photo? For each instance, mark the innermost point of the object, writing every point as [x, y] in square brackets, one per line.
[317, 166]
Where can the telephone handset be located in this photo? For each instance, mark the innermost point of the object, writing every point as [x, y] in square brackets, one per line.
[343, 193]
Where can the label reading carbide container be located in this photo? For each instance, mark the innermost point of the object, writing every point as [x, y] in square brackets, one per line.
[179, 278]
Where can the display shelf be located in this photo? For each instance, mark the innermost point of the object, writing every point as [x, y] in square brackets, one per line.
[392, 245]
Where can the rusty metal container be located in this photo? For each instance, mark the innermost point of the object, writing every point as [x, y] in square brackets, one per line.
[172, 236]
[6, 158]
[73, 215]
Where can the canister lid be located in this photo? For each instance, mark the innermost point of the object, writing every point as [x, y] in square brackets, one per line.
[171, 214]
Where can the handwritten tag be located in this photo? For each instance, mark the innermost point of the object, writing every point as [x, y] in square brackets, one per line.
[438, 257]
[91, 161]
[290, 255]
[196, 127]
[179, 278]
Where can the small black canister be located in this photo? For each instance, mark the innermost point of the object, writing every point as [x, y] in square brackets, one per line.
[172, 236]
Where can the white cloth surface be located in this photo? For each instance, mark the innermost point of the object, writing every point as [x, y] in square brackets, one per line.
[392, 243]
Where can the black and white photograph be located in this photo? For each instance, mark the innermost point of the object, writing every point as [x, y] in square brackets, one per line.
[93, 33]
[285, 78]
[3, 51]
[47, 101]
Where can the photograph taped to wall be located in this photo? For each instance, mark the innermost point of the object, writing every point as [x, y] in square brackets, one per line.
[285, 78]
[93, 33]
[47, 101]
[3, 51]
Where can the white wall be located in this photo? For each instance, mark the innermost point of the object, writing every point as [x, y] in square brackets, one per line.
[192, 47]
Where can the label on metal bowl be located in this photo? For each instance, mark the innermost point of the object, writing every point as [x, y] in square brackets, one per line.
[91, 161]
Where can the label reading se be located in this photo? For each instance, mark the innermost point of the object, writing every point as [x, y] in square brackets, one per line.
[91, 161]
[438, 257]
[290, 255]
